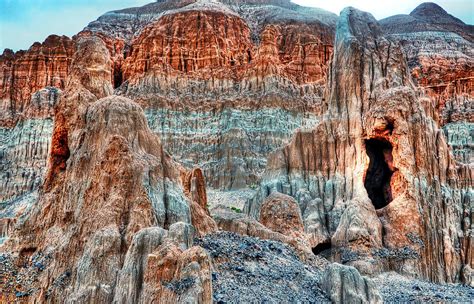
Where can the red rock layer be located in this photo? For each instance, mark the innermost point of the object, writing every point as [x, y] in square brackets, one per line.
[450, 83]
[371, 97]
[25, 72]
[190, 42]
[206, 44]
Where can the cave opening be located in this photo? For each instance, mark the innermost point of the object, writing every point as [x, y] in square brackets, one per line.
[380, 171]
[322, 248]
[118, 76]
[25, 255]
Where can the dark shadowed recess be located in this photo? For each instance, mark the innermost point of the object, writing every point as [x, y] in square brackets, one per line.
[379, 174]
[322, 247]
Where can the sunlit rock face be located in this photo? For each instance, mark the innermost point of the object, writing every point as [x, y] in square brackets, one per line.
[222, 100]
[374, 173]
[225, 88]
[440, 54]
[113, 144]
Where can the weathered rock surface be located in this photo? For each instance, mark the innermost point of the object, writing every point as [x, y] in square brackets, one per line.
[177, 276]
[281, 213]
[204, 107]
[427, 17]
[161, 266]
[439, 50]
[93, 207]
[25, 72]
[24, 149]
[204, 93]
[344, 284]
[108, 178]
[376, 148]
[195, 188]
[224, 111]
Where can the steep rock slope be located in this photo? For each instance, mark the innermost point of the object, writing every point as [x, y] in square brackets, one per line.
[108, 178]
[439, 50]
[224, 110]
[220, 98]
[30, 83]
[224, 84]
[25, 72]
[375, 177]
[226, 113]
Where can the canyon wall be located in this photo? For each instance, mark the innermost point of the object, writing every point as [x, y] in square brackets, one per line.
[376, 177]
[439, 50]
[108, 177]
[368, 127]
[219, 99]
[207, 107]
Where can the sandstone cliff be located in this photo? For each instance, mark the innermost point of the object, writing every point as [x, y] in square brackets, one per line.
[219, 98]
[108, 178]
[224, 110]
[376, 172]
[439, 50]
[114, 143]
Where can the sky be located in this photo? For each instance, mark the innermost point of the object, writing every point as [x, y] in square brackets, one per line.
[22, 22]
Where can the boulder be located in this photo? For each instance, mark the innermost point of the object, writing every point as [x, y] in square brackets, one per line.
[344, 284]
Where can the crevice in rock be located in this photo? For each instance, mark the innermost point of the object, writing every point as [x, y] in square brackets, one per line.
[25, 255]
[59, 150]
[322, 247]
[380, 171]
[118, 75]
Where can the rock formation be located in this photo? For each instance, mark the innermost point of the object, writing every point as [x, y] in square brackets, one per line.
[281, 63]
[30, 83]
[126, 148]
[376, 170]
[108, 178]
[204, 80]
[212, 118]
[439, 50]
[25, 72]
[344, 284]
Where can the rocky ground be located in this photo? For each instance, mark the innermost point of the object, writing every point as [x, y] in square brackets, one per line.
[252, 270]
[398, 289]
[262, 271]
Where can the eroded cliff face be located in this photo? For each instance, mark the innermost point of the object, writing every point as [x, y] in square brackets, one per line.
[233, 89]
[30, 86]
[246, 76]
[89, 149]
[108, 178]
[439, 50]
[220, 99]
[376, 174]
[25, 72]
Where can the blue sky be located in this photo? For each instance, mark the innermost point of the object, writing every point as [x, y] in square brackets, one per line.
[22, 22]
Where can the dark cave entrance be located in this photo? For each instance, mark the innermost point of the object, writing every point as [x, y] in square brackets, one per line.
[379, 173]
[322, 248]
[118, 76]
